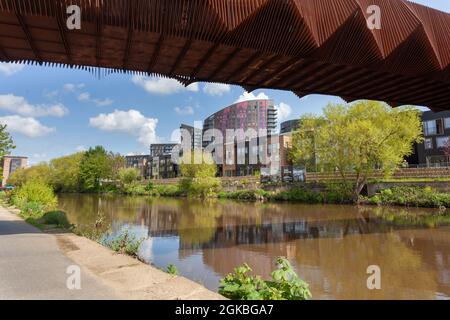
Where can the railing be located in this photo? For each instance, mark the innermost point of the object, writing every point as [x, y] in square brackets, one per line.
[402, 173]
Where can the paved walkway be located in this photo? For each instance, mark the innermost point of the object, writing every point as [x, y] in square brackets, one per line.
[33, 265]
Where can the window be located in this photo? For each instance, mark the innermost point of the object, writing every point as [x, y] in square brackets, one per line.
[433, 127]
[428, 143]
[447, 123]
[441, 142]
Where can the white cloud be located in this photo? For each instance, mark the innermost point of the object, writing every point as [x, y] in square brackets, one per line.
[131, 122]
[85, 96]
[186, 111]
[284, 111]
[103, 102]
[19, 105]
[9, 69]
[29, 127]
[81, 149]
[163, 86]
[70, 87]
[248, 96]
[216, 89]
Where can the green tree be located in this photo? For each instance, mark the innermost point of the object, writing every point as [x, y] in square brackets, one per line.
[117, 162]
[356, 139]
[6, 144]
[128, 176]
[199, 175]
[66, 173]
[95, 167]
[37, 173]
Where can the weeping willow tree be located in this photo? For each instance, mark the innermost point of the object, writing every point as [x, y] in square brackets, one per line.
[354, 140]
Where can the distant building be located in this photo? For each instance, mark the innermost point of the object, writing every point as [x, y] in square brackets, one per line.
[248, 115]
[276, 146]
[432, 151]
[160, 162]
[196, 135]
[256, 114]
[139, 162]
[289, 126]
[162, 149]
[10, 164]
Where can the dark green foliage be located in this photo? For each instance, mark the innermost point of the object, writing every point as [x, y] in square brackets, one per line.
[57, 218]
[411, 196]
[284, 285]
[94, 167]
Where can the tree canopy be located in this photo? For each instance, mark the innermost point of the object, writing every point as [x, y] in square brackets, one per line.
[356, 139]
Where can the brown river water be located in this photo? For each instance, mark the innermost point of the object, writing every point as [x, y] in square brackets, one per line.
[329, 246]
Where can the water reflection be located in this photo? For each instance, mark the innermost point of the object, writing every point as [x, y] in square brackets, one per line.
[330, 246]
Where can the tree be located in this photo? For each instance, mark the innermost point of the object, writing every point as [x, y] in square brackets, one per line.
[6, 144]
[356, 139]
[199, 179]
[38, 173]
[128, 176]
[66, 172]
[95, 167]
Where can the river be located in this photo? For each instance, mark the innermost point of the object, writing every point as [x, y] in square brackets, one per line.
[329, 246]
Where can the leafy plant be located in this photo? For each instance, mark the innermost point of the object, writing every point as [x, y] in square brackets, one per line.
[172, 269]
[124, 243]
[34, 195]
[285, 284]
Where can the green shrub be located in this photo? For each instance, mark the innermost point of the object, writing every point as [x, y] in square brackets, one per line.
[150, 186]
[57, 218]
[171, 269]
[411, 196]
[285, 284]
[135, 188]
[34, 195]
[124, 243]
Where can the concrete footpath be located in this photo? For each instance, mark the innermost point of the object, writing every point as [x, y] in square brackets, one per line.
[34, 265]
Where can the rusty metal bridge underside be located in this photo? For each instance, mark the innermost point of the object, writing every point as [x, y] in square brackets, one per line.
[304, 46]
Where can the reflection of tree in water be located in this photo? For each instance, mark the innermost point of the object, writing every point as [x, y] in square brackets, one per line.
[198, 224]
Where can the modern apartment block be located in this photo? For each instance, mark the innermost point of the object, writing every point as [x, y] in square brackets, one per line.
[255, 114]
[11, 164]
[160, 164]
[196, 137]
[139, 162]
[287, 127]
[162, 149]
[435, 149]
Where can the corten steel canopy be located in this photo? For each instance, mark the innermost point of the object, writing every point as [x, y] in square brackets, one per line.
[305, 46]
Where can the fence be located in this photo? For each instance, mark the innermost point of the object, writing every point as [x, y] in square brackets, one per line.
[404, 173]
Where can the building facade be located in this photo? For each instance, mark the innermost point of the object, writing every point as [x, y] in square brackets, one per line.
[162, 149]
[435, 149]
[195, 134]
[140, 163]
[255, 114]
[10, 164]
[289, 126]
[160, 164]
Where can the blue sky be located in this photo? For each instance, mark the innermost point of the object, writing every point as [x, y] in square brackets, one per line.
[53, 112]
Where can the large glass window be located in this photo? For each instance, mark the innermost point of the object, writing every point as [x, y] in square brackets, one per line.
[433, 127]
[442, 142]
